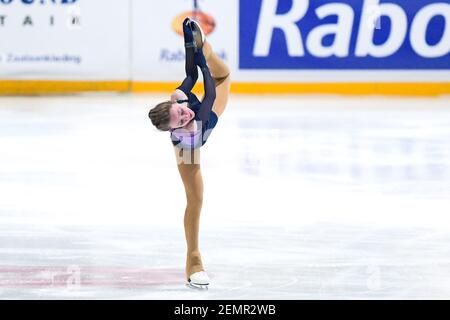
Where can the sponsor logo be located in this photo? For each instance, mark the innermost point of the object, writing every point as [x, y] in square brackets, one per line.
[207, 23]
[347, 34]
[205, 20]
[71, 20]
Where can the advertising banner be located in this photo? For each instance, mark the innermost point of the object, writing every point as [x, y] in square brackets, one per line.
[299, 41]
[65, 39]
[158, 44]
[269, 45]
[346, 34]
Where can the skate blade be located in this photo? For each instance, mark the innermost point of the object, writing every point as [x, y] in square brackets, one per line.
[201, 287]
[199, 37]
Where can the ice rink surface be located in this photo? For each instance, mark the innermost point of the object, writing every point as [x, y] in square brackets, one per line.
[305, 198]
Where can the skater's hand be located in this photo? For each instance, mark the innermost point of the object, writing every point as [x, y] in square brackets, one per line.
[199, 59]
[178, 95]
[187, 32]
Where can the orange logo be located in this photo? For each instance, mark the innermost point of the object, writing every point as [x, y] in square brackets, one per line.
[206, 21]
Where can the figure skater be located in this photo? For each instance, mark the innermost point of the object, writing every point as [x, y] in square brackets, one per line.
[190, 123]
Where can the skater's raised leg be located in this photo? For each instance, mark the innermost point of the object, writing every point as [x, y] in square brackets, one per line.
[221, 74]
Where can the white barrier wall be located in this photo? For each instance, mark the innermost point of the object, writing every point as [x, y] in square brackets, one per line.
[65, 39]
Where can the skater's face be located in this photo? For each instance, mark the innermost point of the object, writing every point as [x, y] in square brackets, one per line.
[180, 115]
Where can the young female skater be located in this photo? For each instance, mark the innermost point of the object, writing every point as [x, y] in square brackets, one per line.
[190, 123]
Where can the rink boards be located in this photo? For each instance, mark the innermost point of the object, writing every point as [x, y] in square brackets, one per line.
[273, 46]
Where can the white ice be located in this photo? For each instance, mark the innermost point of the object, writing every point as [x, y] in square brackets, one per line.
[306, 197]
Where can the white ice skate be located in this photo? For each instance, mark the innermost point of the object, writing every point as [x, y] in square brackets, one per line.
[199, 35]
[199, 280]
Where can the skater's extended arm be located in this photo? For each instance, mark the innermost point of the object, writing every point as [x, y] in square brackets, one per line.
[190, 66]
[209, 87]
